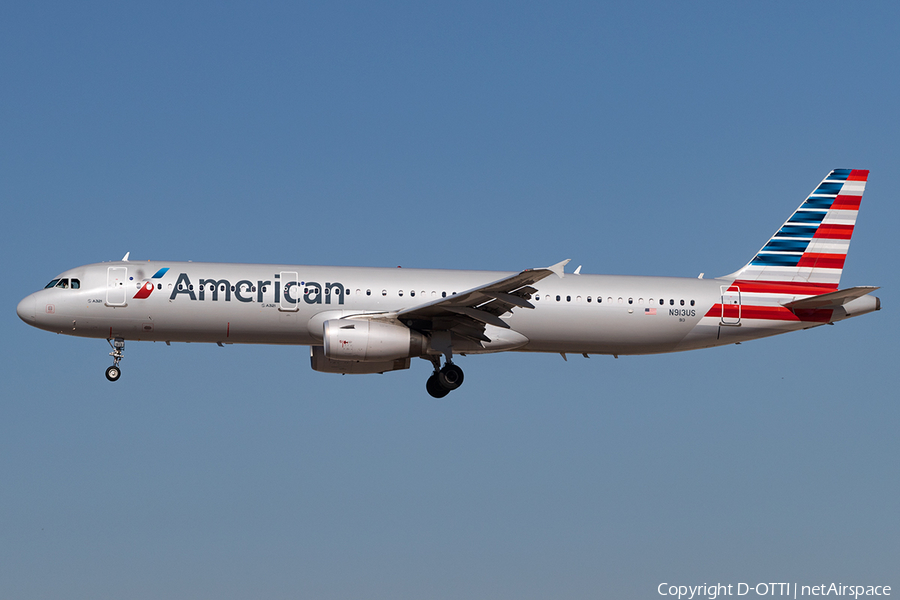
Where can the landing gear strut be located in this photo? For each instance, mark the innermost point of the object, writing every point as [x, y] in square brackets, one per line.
[443, 380]
[118, 345]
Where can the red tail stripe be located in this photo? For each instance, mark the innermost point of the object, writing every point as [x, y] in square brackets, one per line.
[783, 287]
[770, 313]
[822, 261]
[834, 232]
[846, 202]
[858, 175]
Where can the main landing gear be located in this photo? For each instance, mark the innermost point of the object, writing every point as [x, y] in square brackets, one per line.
[118, 345]
[444, 380]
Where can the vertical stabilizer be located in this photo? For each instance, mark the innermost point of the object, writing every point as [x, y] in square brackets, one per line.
[812, 245]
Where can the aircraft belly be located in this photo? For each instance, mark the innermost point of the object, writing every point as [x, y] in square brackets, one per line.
[162, 320]
[250, 324]
[615, 332]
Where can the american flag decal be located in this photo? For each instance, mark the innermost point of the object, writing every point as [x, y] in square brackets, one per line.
[649, 311]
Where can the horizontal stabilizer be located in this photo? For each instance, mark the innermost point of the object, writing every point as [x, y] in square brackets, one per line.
[832, 299]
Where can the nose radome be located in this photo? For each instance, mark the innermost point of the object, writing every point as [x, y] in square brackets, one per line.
[25, 309]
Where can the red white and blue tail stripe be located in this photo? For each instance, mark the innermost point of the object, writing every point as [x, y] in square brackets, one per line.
[812, 245]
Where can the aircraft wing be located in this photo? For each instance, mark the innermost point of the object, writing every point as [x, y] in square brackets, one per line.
[831, 300]
[467, 313]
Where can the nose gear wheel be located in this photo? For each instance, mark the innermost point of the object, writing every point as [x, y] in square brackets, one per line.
[118, 345]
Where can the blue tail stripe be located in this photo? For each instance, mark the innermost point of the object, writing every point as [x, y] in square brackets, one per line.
[807, 217]
[801, 231]
[775, 260]
[776, 245]
[828, 188]
[818, 203]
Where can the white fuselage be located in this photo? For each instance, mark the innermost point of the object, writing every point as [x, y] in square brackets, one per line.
[288, 304]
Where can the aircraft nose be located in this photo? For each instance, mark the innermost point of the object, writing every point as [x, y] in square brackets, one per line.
[25, 310]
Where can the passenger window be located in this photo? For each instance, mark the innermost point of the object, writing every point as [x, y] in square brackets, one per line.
[368, 292]
[588, 298]
[661, 301]
[671, 302]
[443, 294]
[158, 285]
[692, 302]
[384, 292]
[620, 300]
[682, 302]
[412, 293]
[557, 298]
[631, 301]
[599, 299]
[640, 300]
[568, 298]
[400, 293]
[77, 284]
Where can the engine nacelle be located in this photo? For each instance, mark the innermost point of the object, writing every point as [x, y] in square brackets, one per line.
[319, 362]
[371, 341]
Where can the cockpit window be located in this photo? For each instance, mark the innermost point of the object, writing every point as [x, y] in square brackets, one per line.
[64, 284]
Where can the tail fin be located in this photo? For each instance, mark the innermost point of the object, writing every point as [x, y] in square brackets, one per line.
[811, 246]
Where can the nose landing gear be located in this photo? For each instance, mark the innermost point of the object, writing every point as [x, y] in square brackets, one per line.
[118, 345]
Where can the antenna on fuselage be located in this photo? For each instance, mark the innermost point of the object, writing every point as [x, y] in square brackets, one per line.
[125, 258]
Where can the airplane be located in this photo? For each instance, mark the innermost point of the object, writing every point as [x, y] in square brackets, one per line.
[374, 320]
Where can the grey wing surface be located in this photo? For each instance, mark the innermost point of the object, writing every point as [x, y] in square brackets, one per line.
[466, 314]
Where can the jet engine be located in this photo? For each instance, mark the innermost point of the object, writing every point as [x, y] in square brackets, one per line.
[378, 345]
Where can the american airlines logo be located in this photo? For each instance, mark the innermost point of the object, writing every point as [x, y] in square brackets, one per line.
[290, 292]
[148, 286]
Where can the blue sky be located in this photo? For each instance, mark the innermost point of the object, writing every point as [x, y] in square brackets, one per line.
[645, 138]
